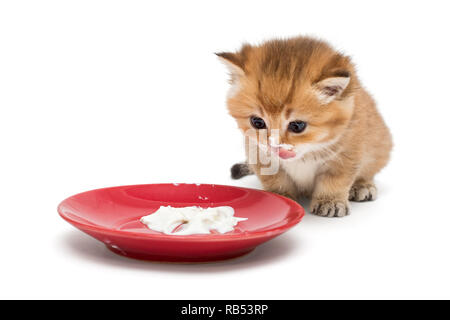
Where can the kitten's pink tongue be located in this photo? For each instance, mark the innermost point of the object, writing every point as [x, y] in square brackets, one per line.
[285, 154]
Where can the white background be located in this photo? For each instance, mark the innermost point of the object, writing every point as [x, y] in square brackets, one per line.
[104, 93]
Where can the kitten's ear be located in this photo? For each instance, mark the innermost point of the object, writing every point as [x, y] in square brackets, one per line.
[331, 88]
[233, 63]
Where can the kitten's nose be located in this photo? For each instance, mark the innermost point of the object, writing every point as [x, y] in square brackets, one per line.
[273, 141]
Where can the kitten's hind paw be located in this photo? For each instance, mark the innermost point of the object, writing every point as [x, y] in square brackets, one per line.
[240, 170]
[363, 192]
[330, 208]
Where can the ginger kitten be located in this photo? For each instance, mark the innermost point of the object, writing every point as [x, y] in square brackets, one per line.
[331, 139]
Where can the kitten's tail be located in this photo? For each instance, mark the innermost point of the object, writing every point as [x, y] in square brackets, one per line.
[240, 170]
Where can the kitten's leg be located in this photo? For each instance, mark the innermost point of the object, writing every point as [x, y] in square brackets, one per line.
[330, 196]
[240, 170]
[363, 190]
[280, 183]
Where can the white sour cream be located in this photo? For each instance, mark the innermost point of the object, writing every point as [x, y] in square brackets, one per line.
[272, 142]
[192, 220]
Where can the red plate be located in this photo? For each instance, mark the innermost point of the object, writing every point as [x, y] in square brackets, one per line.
[112, 215]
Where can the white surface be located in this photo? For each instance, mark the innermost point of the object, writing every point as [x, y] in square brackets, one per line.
[103, 93]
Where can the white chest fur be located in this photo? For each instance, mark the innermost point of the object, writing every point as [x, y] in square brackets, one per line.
[302, 172]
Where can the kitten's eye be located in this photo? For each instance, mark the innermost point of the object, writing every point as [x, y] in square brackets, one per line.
[257, 123]
[297, 126]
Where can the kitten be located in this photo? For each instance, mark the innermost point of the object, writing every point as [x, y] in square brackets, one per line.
[332, 140]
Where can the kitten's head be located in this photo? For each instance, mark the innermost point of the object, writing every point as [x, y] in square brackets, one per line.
[300, 87]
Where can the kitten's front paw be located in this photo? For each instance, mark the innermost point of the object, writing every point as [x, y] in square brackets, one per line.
[330, 208]
[363, 192]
